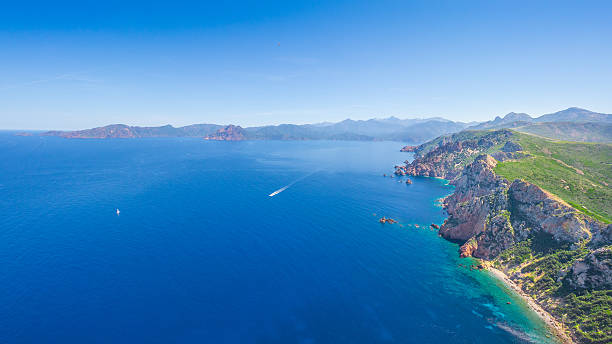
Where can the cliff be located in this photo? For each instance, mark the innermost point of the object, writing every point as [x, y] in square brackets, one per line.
[551, 249]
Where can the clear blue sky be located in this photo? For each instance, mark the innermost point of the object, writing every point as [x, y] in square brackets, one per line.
[68, 65]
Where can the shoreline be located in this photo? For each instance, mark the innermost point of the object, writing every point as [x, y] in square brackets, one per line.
[556, 328]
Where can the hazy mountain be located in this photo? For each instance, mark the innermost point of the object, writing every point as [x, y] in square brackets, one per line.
[573, 124]
[575, 114]
[125, 131]
[570, 131]
[425, 131]
[391, 128]
[410, 130]
[508, 121]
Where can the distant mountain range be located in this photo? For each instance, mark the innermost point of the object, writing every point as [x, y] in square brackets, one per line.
[570, 124]
[570, 131]
[573, 124]
[572, 114]
[124, 131]
[392, 128]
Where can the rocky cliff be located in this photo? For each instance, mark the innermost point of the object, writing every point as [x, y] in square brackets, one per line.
[544, 244]
[593, 272]
[488, 212]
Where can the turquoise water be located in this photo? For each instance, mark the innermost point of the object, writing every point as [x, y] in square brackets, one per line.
[201, 253]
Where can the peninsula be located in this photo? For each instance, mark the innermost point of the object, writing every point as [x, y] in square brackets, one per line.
[537, 210]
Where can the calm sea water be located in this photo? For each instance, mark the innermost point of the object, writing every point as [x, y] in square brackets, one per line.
[201, 254]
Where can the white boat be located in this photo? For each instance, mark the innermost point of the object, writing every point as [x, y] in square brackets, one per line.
[118, 212]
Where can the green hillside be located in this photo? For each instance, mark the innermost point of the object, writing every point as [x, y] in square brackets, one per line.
[579, 173]
[573, 131]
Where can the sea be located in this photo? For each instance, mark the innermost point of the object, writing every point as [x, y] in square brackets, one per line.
[199, 252]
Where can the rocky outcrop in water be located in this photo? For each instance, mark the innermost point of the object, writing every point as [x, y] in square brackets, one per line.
[229, 133]
[384, 220]
[408, 149]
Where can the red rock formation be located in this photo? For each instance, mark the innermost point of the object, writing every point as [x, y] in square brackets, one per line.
[229, 133]
[468, 249]
[384, 220]
[400, 170]
[409, 148]
[487, 213]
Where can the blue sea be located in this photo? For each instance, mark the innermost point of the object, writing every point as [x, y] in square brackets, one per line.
[200, 253]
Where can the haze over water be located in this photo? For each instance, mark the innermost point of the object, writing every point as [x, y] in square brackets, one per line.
[201, 253]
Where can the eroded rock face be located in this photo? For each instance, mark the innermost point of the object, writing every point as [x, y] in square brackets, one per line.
[400, 170]
[446, 159]
[478, 192]
[593, 272]
[491, 214]
[540, 209]
[468, 249]
[441, 162]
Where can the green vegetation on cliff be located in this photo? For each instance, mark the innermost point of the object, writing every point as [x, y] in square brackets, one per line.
[556, 255]
[578, 173]
[589, 315]
[574, 131]
[537, 264]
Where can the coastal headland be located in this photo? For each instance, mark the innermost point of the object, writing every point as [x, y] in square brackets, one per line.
[537, 212]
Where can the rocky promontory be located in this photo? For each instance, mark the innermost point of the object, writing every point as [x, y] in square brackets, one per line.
[228, 133]
[408, 148]
[548, 247]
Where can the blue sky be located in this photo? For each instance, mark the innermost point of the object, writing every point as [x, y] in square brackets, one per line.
[70, 65]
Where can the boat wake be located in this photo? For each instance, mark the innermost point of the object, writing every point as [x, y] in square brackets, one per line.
[290, 184]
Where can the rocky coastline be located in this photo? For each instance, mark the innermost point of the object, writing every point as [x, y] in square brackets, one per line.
[489, 215]
[557, 328]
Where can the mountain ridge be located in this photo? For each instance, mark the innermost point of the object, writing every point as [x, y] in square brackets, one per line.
[572, 114]
[390, 128]
[412, 130]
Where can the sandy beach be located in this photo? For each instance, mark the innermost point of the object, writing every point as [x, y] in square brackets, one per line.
[556, 327]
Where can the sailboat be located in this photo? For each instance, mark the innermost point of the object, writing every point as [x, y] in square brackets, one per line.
[118, 212]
